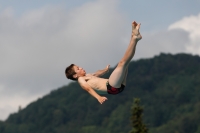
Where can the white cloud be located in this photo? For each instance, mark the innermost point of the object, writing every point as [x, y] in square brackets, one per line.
[191, 25]
[152, 44]
[36, 48]
[182, 36]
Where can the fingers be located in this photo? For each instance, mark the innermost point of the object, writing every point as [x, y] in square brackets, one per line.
[107, 68]
[103, 99]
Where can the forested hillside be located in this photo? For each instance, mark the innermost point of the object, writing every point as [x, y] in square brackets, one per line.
[167, 85]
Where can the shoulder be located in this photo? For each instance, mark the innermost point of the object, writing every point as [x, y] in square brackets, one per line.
[81, 79]
[82, 82]
[89, 74]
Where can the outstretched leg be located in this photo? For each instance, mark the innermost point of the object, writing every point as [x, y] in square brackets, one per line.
[119, 74]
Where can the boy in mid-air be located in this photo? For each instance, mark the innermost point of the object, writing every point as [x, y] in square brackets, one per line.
[95, 85]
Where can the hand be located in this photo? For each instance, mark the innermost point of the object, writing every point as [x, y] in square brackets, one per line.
[107, 68]
[102, 99]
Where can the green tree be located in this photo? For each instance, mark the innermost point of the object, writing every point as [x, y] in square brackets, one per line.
[136, 118]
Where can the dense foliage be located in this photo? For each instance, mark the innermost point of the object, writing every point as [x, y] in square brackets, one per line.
[168, 86]
[136, 118]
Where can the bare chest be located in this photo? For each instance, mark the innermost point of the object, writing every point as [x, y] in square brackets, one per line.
[96, 82]
[92, 81]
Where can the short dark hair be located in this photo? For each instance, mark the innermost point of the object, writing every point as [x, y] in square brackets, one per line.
[69, 72]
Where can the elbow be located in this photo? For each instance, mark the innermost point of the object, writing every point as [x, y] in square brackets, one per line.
[87, 89]
[97, 75]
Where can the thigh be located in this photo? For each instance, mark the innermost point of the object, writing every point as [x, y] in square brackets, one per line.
[124, 80]
[117, 76]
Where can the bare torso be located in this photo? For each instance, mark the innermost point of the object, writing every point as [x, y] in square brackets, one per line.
[96, 83]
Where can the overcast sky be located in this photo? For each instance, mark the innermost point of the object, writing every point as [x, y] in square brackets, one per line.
[38, 39]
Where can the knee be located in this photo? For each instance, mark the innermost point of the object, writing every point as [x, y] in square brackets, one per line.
[121, 64]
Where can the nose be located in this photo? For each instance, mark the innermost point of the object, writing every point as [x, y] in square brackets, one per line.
[81, 68]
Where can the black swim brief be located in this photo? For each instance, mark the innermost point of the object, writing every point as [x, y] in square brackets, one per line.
[113, 90]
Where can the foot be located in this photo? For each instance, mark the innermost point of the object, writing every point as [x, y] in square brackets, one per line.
[135, 31]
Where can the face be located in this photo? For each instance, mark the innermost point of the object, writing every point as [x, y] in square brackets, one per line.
[79, 71]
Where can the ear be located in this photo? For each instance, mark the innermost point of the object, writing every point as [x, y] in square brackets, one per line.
[75, 76]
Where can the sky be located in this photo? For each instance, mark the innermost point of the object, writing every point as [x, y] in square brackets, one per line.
[39, 39]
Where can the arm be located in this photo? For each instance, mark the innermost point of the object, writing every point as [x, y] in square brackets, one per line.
[101, 72]
[87, 88]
